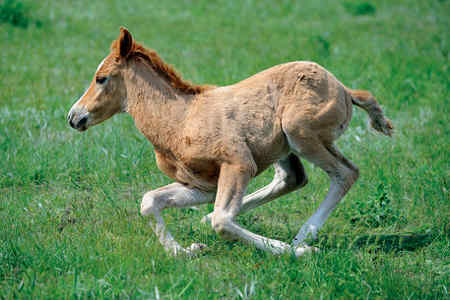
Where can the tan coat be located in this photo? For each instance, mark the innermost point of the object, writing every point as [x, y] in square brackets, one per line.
[213, 140]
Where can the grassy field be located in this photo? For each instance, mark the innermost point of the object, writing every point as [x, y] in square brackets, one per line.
[69, 202]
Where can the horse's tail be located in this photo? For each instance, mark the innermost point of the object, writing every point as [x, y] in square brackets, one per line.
[366, 101]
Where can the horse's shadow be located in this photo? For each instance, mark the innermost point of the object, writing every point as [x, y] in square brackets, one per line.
[399, 242]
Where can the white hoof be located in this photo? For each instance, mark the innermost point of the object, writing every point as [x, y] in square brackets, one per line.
[194, 249]
[299, 251]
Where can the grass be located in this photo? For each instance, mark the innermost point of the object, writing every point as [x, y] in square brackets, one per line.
[69, 202]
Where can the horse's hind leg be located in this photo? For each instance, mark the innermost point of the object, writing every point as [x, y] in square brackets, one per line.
[342, 172]
[289, 176]
[172, 195]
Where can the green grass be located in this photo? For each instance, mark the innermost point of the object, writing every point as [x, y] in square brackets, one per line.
[69, 202]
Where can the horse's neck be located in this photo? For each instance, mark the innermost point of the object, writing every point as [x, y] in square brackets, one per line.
[158, 109]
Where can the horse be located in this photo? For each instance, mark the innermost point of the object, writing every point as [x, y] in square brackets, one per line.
[212, 140]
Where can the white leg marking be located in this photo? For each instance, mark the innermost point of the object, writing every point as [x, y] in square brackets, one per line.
[172, 195]
[316, 221]
[342, 172]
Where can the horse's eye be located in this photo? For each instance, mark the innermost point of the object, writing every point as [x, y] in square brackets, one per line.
[100, 80]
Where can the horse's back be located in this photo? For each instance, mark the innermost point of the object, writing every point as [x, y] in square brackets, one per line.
[258, 111]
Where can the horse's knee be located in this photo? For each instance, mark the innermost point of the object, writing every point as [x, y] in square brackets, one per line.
[149, 203]
[352, 174]
[220, 225]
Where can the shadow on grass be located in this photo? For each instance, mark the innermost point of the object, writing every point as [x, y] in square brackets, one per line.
[378, 242]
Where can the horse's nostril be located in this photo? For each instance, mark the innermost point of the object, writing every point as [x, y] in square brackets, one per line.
[82, 121]
[71, 123]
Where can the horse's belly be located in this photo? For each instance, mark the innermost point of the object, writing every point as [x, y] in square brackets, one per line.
[265, 154]
[203, 176]
[266, 140]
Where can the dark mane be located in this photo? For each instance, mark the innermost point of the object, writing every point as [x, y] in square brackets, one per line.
[165, 70]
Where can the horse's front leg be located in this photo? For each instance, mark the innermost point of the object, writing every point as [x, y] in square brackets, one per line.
[289, 176]
[172, 195]
[233, 182]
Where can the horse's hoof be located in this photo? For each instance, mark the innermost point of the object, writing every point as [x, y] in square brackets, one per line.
[299, 251]
[195, 248]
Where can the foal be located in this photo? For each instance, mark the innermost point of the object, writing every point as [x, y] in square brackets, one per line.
[213, 140]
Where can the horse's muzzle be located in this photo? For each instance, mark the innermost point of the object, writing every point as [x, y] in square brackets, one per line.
[78, 118]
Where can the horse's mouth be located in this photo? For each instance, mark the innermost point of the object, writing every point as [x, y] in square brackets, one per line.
[82, 128]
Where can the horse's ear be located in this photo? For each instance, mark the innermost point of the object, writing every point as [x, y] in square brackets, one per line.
[125, 42]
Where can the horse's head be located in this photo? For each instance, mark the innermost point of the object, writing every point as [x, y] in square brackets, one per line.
[106, 95]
